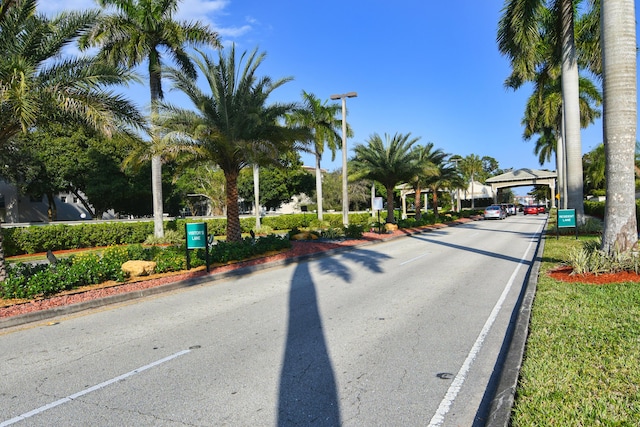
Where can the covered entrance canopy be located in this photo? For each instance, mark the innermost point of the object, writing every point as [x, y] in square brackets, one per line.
[523, 177]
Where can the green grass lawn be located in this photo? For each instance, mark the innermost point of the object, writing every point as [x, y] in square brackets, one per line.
[582, 361]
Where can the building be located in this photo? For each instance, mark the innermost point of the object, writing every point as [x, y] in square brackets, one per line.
[17, 208]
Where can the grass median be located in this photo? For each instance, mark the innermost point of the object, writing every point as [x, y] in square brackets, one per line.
[582, 360]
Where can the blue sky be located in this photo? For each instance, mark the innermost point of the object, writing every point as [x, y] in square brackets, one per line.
[430, 68]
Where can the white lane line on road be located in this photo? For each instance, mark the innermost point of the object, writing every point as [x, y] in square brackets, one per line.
[414, 259]
[91, 389]
[438, 418]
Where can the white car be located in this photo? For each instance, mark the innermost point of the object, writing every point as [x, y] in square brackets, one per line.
[495, 212]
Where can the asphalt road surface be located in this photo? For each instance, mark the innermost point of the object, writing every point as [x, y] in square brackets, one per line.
[403, 333]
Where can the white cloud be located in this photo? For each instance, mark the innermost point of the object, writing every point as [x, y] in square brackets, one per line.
[234, 31]
[205, 11]
[200, 10]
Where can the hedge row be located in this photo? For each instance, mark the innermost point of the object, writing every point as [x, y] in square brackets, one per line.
[596, 209]
[40, 238]
[29, 281]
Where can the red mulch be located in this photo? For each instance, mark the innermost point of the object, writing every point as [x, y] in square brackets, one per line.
[564, 274]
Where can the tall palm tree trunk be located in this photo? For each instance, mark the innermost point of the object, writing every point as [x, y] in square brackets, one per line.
[619, 123]
[571, 110]
[390, 213]
[434, 204]
[156, 189]
[561, 172]
[418, 203]
[156, 159]
[319, 186]
[256, 194]
[234, 232]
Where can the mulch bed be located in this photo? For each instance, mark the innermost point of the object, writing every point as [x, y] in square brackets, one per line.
[565, 274]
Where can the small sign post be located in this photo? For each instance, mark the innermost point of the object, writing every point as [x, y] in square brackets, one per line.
[377, 205]
[566, 218]
[197, 238]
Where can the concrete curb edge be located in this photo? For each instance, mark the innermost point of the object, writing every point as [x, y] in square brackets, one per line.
[505, 392]
[42, 315]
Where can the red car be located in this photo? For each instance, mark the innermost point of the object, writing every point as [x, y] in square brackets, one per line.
[531, 210]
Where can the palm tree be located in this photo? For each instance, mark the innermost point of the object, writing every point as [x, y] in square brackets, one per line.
[37, 88]
[389, 162]
[427, 161]
[471, 167]
[144, 30]
[535, 38]
[446, 176]
[620, 115]
[543, 116]
[594, 168]
[232, 126]
[320, 119]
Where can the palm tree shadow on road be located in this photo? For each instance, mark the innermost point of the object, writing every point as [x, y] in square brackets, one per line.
[307, 392]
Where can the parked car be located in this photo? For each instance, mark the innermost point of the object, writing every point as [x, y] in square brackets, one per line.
[495, 212]
[511, 208]
[531, 210]
[542, 209]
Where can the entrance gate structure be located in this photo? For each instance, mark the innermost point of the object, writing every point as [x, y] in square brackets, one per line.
[523, 177]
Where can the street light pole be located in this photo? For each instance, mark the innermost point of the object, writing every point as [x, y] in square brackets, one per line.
[345, 196]
[456, 160]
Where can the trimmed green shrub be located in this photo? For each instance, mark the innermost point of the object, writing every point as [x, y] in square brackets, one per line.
[173, 258]
[353, 231]
[55, 237]
[594, 208]
[233, 251]
[29, 281]
[332, 233]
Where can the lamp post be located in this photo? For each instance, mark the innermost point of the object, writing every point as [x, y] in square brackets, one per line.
[456, 160]
[345, 196]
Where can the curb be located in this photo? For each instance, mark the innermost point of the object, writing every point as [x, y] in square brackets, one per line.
[501, 402]
[42, 315]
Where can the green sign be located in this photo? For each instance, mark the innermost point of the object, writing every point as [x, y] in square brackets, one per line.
[196, 235]
[566, 218]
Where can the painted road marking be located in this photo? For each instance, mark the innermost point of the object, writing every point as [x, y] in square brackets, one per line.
[414, 259]
[456, 385]
[91, 389]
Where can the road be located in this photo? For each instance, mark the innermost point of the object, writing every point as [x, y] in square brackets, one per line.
[406, 332]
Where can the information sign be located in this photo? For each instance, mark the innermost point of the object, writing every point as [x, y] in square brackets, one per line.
[566, 218]
[377, 203]
[196, 235]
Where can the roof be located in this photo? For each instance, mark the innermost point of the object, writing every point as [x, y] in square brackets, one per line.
[523, 175]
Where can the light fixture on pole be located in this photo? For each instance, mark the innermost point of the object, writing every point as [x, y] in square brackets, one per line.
[345, 196]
